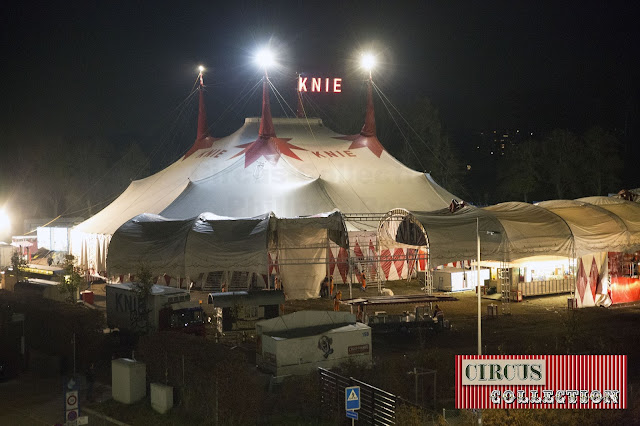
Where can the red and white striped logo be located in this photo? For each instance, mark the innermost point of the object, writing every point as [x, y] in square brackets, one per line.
[541, 381]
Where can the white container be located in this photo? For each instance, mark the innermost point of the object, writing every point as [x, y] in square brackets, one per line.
[161, 397]
[128, 380]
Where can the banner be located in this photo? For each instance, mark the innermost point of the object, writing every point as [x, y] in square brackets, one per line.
[541, 381]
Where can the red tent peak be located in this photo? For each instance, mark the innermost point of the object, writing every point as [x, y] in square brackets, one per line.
[369, 128]
[367, 137]
[203, 130]
[266, 123]
[203, 140]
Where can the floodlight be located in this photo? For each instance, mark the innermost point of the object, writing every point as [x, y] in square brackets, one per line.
[201, 68]
[265, 58]
[368, 61]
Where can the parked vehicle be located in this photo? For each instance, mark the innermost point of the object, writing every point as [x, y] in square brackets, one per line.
[162, 309]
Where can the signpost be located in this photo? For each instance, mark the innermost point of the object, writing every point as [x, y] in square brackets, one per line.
[71, 403]
[352, 402]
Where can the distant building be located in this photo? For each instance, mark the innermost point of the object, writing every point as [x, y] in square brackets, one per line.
[499, 142]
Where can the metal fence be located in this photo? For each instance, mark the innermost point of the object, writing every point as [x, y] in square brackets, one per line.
[541, 288]
[377, 407]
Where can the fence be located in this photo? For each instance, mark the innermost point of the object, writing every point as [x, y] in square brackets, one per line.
[377, 407]
[541, 288]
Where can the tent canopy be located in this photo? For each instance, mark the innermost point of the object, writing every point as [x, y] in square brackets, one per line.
[207, 243]
[514, 230]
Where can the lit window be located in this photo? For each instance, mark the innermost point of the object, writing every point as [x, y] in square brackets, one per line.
[468, 166]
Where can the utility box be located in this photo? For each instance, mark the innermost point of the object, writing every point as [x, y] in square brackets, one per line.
[457, 279]
[128, 380]
[161, 397]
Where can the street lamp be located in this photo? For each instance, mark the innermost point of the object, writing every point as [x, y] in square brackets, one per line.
[478, 288]
[478, 283]
[478, 291]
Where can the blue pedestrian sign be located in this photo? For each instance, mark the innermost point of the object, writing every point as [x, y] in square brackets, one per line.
[352, 414]
[352, 398]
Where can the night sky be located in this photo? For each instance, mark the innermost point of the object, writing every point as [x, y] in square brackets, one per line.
[122, 68]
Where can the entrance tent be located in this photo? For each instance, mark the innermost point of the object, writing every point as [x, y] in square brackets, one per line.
[290, 166]
[591, 229]
[209, 244]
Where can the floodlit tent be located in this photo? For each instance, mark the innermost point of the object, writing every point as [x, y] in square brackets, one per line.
[514, 230]
[592, 230]
[207, 243]
[289, 166]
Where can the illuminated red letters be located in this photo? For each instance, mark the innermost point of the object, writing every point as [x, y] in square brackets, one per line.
[331, 85]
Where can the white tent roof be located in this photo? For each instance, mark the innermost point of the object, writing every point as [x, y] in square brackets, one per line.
[512, 231]
[326, 175]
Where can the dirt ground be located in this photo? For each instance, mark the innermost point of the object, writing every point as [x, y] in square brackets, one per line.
[541, 325]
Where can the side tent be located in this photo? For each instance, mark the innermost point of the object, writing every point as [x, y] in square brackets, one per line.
[209, 244]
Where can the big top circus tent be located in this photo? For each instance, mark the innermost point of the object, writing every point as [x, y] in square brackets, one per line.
[283, 167]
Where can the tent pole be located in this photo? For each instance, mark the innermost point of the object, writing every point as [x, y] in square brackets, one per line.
[350, 280]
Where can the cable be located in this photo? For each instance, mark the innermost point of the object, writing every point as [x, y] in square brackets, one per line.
[402, 133]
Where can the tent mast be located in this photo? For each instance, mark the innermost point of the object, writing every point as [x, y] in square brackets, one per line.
[203, 131]
[266, 123]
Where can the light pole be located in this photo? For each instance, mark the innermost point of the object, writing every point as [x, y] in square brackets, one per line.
[478, 288]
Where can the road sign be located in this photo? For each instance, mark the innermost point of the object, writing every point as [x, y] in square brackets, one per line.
[71, 400]
[83, 420]
[352, 398]
[352, 414]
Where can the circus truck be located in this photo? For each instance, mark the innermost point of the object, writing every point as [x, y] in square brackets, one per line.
[163, 309]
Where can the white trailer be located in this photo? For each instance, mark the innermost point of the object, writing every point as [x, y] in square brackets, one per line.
[300, 342]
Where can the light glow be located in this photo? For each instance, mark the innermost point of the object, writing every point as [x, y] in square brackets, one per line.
[5, 222]
[201, 69]
[368, 61]
[265, 58]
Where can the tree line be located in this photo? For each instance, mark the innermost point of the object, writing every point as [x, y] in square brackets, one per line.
[558, 165]
[49, 176]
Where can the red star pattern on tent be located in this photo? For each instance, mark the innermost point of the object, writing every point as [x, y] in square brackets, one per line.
[361, 141]
[273, 264]
[594, 278]
[332, 263]
[385, 261]
[204, 143]
[581, 284]
[399, 260]
[270, 148]
[343, 263]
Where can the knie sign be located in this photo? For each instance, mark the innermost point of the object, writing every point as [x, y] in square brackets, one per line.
[319, 84]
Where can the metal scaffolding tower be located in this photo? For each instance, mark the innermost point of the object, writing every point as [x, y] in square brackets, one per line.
[504, 279]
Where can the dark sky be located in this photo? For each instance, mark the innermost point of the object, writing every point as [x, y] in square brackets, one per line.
[122, 67]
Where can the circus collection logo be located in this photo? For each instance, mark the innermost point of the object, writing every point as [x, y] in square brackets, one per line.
[541, 381]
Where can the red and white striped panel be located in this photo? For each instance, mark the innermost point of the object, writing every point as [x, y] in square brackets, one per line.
[595, 377]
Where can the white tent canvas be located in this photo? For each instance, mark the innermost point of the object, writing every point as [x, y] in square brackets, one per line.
[289, 166]
[208, 243]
